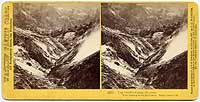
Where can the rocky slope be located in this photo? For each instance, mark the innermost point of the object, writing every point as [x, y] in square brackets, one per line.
[136, 64]
[47, 61]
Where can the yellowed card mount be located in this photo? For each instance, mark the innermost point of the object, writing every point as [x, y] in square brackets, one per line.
[100, 50]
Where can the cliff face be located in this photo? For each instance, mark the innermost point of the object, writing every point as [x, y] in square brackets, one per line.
[167, 75]
[81, 75]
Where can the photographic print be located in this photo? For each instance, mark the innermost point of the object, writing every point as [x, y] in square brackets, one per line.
[56, 45]
[144, 45]
[59, 50]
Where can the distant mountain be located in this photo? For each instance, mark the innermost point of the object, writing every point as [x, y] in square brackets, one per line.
[47, 18]
[136, 19]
